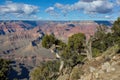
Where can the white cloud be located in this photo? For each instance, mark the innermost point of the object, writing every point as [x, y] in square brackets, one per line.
[58, 5]
[108, 17]
[118, 2]
[89, 0]
[18, 9]
[51, 11]
[88, 6]
[64, 8]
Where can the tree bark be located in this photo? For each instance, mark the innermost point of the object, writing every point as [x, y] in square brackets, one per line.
[53, 50]
[89, 49]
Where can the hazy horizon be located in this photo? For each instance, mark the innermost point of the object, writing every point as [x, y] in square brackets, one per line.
[51, 20]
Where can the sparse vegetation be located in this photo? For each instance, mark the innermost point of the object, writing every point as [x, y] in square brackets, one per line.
[46, 71]
[4, 69]
[76, 43]
[72, 52]
[75, 74]
[48, 41]
[116, 31]
[78, 52]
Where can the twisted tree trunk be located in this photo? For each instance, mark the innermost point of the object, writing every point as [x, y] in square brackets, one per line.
[53, 50]
[89, 48]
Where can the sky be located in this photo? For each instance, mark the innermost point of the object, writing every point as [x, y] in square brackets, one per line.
[59, 9]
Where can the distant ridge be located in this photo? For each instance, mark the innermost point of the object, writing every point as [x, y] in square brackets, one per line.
[107, 23]
[42, 22]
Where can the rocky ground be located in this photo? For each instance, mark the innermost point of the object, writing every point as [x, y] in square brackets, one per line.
[105, 67]
[109, 70]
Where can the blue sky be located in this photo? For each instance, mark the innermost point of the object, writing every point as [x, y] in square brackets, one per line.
[59, 9]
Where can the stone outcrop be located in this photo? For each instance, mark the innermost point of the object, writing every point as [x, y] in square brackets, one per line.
[104, 67]
[107, 71]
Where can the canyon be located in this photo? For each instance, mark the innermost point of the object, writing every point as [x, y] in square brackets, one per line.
[20, 41]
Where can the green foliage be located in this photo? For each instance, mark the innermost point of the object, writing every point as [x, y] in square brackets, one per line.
[71, 54]
[102, 41]
[116, 31]
[75, 74]
[76, 42]
[100, 34]
[15, 79]
[99, 45]
[99, 42]
[46, 71]
[96, 52]
[74, 60]
[61, 44]
[4, 68]
[105, 40]
[66, 54]
[116, 27]
[71, 59]
[109, 40]
[48, 41]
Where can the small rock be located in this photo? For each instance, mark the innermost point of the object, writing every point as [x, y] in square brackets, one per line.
[114, 57]
[92, 69]
[112, 69]
[63, 77]
[113, 63]
[105, 66]
[100, 71]
[96, 75]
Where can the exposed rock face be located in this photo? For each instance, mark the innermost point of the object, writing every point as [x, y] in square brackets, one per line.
[99, 68]
[23, 37]
[20, 41]
[106, 71]
[65, 30]
[109, 70]
[16, 39]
